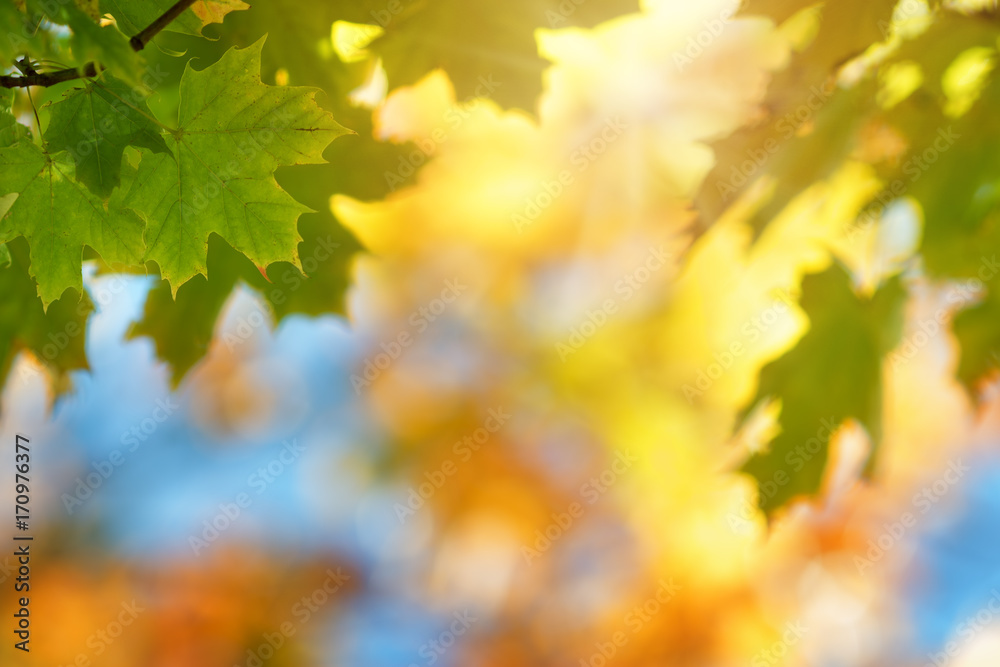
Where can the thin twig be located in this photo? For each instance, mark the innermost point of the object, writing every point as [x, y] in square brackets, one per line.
[138, 43]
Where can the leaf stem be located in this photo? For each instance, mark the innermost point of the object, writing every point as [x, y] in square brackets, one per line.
[138, 43]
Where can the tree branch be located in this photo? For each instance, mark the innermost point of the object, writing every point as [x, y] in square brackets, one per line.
[48, 78]
[138, 43]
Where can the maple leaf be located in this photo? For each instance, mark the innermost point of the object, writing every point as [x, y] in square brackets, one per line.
[95, 124]
[58, 217]
[232, 132]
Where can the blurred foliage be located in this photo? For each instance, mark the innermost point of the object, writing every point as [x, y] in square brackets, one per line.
[579, 213]
[55, 336]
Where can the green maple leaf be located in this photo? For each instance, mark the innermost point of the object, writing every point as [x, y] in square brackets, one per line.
[832, 374]
[95, 124]
[58, 217]
[218, 176]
